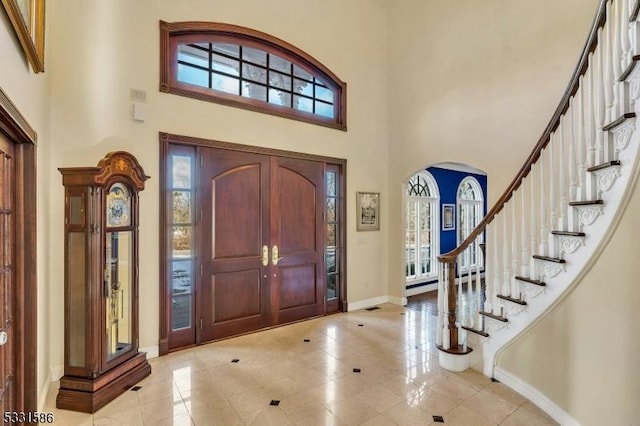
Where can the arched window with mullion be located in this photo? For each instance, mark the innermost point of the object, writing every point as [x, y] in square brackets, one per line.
[246, 68]
[421, 229]
[470, 202]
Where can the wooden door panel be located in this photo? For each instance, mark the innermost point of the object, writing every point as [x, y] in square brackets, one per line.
[234, 296]
[297, 211]
[297, 230]
[236, 201]
[297, 286]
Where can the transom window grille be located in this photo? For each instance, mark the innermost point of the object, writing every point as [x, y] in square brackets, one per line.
[245, 68]
[470, 213]
[421, 233]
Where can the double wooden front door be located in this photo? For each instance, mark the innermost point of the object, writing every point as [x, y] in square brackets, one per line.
[260, 241]
[8, 336]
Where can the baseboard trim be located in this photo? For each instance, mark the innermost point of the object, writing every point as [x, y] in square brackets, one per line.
[152, 351]
[535, 396]
[425, 288]
[367, 303]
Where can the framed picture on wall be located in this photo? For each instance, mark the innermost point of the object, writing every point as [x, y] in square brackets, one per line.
[27, 19]
[367, 211]
[448, 217]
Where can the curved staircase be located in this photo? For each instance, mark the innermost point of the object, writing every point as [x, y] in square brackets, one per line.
[557, 215]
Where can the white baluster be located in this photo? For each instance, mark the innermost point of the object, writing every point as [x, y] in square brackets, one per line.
[609, 59]
[580, 142]
[616, 25]
[446, 339]
[471, 315]
[441, 311]
[460, 307]
[625, 41]
[534, 229]
[514, 291]
[601, 105]
[552, 190]
[544, 230]
[590, 127]
[563, 214]
[506, 277]
[493, 307]
[524, 271]
[572, 152]
[478, 304]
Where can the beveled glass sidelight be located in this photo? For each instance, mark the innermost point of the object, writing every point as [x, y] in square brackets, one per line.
[101, 357]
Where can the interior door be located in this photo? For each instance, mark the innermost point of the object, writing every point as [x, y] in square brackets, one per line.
[261, 242]
[7, 279]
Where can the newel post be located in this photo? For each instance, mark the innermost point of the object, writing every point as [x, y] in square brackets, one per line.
[452, 356]
[451, 306]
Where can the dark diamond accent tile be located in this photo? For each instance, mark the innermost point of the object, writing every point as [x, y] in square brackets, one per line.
[357, 370]
[275, 402]
[360, 325]
[306, 340]
[373, 308]
[236, 360]
[136, 388]
[438, 419]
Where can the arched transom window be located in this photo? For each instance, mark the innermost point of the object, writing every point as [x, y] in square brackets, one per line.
[246, 68]
[421, 227]
[470, 213]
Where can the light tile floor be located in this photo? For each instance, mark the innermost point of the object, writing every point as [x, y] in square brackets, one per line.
[316, 382]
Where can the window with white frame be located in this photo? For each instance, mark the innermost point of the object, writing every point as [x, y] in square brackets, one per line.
[470, 213]
[421, 233]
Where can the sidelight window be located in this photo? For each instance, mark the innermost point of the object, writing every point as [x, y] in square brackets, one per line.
[333, 223]
[181, 190]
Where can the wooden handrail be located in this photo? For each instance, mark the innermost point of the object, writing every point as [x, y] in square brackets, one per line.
[572, 88]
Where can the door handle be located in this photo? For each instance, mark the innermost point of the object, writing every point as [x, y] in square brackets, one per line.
[274, 255]
[265, 255]
[3, 337]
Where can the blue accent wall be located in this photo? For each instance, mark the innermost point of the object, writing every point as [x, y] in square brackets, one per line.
[448, 182]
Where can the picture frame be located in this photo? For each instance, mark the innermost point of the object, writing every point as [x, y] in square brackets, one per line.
[27, 19]
[367, 211]
[448, 217]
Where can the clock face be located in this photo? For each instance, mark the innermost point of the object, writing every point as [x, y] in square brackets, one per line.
[118, 206]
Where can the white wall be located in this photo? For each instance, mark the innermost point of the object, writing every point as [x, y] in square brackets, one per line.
[584, 354]
[100, 49]
[30, 93]
[474, 82]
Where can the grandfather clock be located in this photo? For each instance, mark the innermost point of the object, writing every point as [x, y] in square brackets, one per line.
[101, 358]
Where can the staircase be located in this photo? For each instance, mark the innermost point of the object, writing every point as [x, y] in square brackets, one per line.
[557, 215]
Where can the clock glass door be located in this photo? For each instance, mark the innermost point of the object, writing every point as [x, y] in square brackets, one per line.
[118, 273]
[118, 293]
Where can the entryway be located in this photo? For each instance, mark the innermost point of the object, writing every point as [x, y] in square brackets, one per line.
[255, 237]
[18, 285]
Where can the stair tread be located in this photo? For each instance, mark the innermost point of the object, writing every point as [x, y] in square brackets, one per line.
[481, 333]
[550, 259]
[604, 165]
[586, 203]
[511, 299]
[619, 121]
[532, 281]
[496, 317]
[569, 233]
